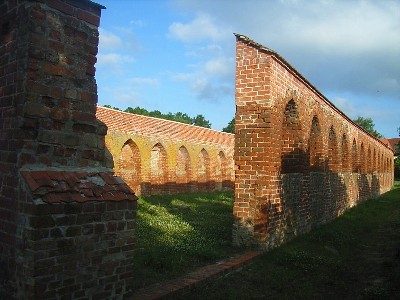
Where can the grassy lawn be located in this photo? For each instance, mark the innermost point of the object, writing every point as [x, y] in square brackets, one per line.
[175, 234]
[357, 256]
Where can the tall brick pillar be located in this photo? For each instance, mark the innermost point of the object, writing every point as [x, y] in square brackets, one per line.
[66, 222]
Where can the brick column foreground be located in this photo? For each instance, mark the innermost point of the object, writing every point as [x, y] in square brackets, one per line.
[66, 222]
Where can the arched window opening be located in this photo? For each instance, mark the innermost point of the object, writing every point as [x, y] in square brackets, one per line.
[374, 162]
[129, 166]
[183, 170]
[346, 164]
[354, 158]
[378, 162]
[387, 165]
[292, 155]
[316, 146]
[221, 170]
[158, 166]
[333, 155]
[363, 160]
[369, 161]
[203, 167]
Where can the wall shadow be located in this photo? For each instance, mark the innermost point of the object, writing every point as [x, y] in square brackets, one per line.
[148, 188]
[311, 197]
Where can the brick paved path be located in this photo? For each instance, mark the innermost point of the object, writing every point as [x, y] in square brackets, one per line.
[201, 276]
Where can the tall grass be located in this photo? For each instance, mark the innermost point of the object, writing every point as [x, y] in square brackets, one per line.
[177, 233]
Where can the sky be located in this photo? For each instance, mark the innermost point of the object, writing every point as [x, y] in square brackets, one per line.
[179, 55]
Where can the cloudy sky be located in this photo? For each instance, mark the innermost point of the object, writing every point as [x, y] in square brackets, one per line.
[179, 55]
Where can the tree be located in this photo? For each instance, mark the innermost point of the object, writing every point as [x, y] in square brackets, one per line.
[109, 106]
[181, 117]
[231, 126]
[137, 110]
[199, 120]
[368, 125]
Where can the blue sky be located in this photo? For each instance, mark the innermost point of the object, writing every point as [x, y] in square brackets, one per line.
[179, 55]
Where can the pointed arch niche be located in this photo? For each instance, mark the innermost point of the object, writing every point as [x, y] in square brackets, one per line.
[221, 170]
[129, 166]
[316, 147]
[334, 162]
[346, 158]
[158, 168]
[203, 169]
[183, 168]
[355, 164]
[292, 156]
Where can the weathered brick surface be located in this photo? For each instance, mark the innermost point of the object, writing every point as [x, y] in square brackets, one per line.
[66, 222]
[156, 156]
[300, 162]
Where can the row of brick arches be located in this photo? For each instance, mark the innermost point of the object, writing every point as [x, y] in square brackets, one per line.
[343, 153]
[163, 170]
[300, 162]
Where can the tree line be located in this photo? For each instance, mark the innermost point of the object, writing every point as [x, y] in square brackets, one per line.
[198, 120]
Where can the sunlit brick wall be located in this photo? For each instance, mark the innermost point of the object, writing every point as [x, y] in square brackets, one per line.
[300, 162]
[157, 156]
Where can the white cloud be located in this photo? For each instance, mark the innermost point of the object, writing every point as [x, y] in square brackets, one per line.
[145, 81]
[203, 27]
[344, 27]
[345, 106]
[113, 63]
[114, 58]
[138, 23]
[108, 40]
[211, 80]
[222, 66]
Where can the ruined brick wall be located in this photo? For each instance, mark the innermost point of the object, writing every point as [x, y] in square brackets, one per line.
[300, 162]
[156, 156]
[66, 222]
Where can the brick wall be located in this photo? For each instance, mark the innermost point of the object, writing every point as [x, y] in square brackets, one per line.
[66, 222]
[300, 162]
[156, 156]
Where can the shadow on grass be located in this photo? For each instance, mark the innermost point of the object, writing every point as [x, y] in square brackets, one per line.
[178, 233]
[357, 256]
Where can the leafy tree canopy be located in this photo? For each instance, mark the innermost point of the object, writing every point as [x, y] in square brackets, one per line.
[198, 120]
[109, 106]
[368, 125]
[231, 126]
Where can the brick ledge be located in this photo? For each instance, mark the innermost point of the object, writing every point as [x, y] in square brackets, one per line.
[201, 276]
[52, 186]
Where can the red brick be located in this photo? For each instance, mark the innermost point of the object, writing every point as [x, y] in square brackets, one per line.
[264, 155]
[61, 6]
[89, 17]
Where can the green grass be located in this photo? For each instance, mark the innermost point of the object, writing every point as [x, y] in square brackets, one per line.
[178, 233]
[357, 256]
